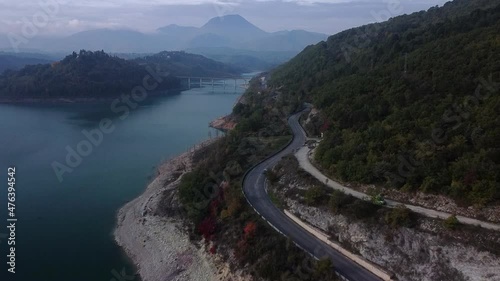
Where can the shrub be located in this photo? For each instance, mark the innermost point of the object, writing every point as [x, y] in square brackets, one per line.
[315, 195]
[338, 200]
[399, 217]
[213, 250]
[207, 227]
[362, 210]
[250, 230]
[272, 176]
[451, 222]
[324, 265]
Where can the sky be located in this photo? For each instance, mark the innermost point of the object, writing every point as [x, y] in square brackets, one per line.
[64, 17]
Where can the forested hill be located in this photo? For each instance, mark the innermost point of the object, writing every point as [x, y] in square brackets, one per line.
[8, 61]
[83, 75]
[412, 103]
[98, 75]
[185, 64]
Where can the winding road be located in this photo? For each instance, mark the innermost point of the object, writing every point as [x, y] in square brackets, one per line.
[305, 163]
[254, 188]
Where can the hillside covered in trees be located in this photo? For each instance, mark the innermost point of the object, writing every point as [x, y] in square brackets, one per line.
[83, 75]
[185, 64]
[15, 62]
[212, 198]
[412, 103]
[99, 75]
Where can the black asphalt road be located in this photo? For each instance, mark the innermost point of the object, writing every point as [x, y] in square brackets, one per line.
[255, 192]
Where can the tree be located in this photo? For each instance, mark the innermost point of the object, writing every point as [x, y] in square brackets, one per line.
[324, 269]
[314, 195]
[441, 112]
[400, 217]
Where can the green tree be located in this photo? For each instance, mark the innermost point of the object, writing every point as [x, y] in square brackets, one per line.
[315, 195]
[451, 222]
[400, 217]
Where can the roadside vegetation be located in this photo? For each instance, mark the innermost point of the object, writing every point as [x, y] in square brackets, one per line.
[381, 105]
[295, 184]
[451, 222]
[411, 103]
[217, 210]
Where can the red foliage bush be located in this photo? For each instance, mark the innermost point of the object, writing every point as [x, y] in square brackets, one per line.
[207, 227]
[213, 250]
[214, 207]
[250, 230]
[325, 126]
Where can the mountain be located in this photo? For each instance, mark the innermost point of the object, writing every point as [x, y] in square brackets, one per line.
[251, 60]
[110, 40]
[185, 64]
[16, 62]
[411, 103]
[91, 75]
[177, 30]
[209, 40]
[285, 41]
[114, 41]
[228, 32]
[233, 26]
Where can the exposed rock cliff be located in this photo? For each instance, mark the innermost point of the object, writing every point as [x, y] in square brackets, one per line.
[428, 251]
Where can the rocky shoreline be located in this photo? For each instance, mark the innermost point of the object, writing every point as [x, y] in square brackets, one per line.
[224, 123]
[154, 236]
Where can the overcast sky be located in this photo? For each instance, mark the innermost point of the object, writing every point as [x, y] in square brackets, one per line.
[63, 17]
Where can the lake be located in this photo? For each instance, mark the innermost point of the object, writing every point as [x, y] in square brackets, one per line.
[64, 228]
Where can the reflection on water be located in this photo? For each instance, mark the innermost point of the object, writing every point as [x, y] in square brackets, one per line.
[64, 229]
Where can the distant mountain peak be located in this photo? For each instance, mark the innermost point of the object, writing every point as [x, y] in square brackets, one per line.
[176, 28]
[229, 31]
[234, 26]
[230, 21]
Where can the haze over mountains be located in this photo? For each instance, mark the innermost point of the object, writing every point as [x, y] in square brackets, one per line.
[15, 62]
[231, 31]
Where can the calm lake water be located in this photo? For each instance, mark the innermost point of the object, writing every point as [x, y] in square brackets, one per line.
[64, 229]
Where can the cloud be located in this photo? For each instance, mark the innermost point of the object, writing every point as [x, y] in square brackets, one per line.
[74, 23]
[326, 16]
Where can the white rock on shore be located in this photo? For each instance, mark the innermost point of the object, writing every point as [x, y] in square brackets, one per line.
[158, 245]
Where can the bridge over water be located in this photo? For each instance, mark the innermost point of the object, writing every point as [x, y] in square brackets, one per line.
[221, 82]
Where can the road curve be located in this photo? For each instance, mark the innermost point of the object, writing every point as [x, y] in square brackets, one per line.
[254, 189]
[305, 163]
